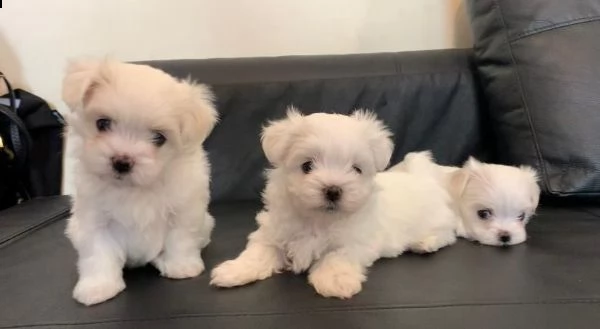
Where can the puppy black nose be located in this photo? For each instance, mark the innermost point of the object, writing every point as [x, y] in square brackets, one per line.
[333, 193]
[504, 237]
[122, 164]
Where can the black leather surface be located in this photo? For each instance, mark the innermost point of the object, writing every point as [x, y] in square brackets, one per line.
[552, 281]
[20, 220]
[429, 99]
[540, 66]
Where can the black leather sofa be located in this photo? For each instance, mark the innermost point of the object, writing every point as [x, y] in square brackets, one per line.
[431, 100]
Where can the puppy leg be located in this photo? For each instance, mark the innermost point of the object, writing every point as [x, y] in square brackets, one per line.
[209, 225]
[100, 265]
[258, 261]
[438, 239]
[440, 235]
[337, 275]
[432, 244]
[180, 258]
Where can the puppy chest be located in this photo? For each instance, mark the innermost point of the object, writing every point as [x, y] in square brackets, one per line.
[140, 223]
[140, 245]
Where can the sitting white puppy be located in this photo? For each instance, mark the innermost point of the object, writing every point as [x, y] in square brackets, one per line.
[141, 173]
[494, 202]
[329, 212]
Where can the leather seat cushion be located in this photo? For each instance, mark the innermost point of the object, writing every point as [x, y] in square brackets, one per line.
[552, 281]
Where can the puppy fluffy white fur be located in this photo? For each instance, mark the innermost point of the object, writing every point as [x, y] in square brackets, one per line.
[493, 202]
[142, 176]
[328, 211]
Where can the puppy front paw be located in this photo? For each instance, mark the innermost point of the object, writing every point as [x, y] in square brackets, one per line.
[90, 291]
[234, 273]
[337, 280]
[432, 244]
[425, 246]
[179, 267]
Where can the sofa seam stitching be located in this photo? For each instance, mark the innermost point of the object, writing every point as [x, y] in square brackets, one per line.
[56, 215]
[568, 23]
[392, 74]
[324, 310]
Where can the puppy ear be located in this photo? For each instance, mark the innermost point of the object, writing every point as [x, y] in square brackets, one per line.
[458, 182]
[532, 173]
[81, 79]
[460, 178]
[378, 137]
[277, 136]
[475, 169]
[534, 188]
[200, 115]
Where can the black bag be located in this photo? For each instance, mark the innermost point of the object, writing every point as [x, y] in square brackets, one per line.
[31, 147]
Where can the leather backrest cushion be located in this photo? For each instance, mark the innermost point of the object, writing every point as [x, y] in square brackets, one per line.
[539, 61]
[428, 99]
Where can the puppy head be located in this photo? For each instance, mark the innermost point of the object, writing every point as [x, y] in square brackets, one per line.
[327, 162]
[496, 202]
[133, 120]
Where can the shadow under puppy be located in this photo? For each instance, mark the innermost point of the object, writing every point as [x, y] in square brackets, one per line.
[141, 173]
[328, 211]
[493, 202]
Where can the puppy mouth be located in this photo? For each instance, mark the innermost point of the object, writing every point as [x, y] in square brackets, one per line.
[120, 177]
[328, 207]
[121, 180]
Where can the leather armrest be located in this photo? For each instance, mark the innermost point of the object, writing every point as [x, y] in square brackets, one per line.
[22, 219]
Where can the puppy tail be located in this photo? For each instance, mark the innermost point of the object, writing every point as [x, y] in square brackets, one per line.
[416, 163]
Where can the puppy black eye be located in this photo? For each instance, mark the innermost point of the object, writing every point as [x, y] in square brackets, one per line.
[484, 214]
[357, 169]
[521, 216]
[103, 124]
[307, 167]
[158, 138]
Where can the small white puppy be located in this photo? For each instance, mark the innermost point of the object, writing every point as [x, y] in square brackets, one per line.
[493, 202]
[141, 173]
[329, 212]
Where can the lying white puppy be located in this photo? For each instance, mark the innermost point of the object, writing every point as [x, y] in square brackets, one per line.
[494, 202]
[329, 212]
[142, 175]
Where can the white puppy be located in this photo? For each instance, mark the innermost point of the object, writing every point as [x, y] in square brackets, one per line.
[494, 202]
[141, 173]
[329, 212]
